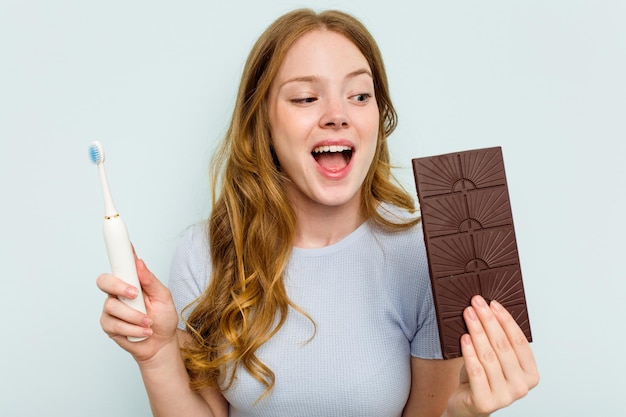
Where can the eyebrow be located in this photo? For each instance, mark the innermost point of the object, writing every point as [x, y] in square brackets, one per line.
[314, 78]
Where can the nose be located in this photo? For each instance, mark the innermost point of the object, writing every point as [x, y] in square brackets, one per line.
[335, 115]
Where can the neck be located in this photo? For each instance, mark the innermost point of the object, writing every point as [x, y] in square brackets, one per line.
[318, 226]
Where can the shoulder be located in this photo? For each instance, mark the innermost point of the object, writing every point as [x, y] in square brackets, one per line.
[396, 214]
[190, 267]
[194, 237]
[400, 238]
[403, 255]
[409, 282]
[192, 251]
[192, 247]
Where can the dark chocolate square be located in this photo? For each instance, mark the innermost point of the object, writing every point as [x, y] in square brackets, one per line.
[470, 238]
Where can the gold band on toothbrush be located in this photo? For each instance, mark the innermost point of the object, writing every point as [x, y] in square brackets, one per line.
[115, 216]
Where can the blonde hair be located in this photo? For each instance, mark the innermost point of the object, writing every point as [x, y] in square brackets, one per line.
[252, 225]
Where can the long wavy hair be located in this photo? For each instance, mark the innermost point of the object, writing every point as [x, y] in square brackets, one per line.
[251, 228]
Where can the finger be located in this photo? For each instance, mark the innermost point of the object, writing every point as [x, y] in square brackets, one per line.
[498, 338]
[516, 382]
[120, 310]
[112, 285]
[152, 287]
[476, 319]
[474, 372]
[519, 342]
[120, 329]
[120, 319]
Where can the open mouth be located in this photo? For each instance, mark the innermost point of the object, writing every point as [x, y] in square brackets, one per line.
[332, 157]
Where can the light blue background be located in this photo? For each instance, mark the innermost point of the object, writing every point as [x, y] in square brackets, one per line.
[155, 82]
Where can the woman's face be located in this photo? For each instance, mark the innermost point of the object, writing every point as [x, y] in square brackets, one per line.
[324, 120]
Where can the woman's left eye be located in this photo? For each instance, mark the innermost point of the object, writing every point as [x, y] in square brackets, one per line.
[361, 98]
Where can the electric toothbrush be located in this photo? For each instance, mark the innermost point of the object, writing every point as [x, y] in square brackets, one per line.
[119, 248]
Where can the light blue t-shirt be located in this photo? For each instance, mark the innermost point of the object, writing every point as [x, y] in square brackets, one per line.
[371, 300]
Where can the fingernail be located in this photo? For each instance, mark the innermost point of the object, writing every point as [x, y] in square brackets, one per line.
[480, 301]
[147, 322]
[147, 331]
[496, 306]
[131, 292]
[471, 314]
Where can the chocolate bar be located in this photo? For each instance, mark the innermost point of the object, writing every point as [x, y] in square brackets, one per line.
[470, 239]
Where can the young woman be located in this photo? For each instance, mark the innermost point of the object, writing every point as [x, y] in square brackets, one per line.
[307, 291]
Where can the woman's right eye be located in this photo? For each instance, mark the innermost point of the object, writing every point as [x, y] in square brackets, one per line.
[303, 100]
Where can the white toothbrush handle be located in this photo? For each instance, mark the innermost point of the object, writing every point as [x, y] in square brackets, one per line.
[122, 260]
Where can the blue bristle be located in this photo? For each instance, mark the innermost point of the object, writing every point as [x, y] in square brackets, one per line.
[94, 154]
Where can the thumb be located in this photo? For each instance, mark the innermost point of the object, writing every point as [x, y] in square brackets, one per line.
[150, 284]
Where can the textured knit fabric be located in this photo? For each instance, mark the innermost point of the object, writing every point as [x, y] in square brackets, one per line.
[371, 301]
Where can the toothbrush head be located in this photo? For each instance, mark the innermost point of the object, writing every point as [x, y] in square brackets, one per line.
[96, 153]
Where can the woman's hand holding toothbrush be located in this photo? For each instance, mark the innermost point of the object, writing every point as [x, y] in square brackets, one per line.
[119, 321]
[158, 355]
